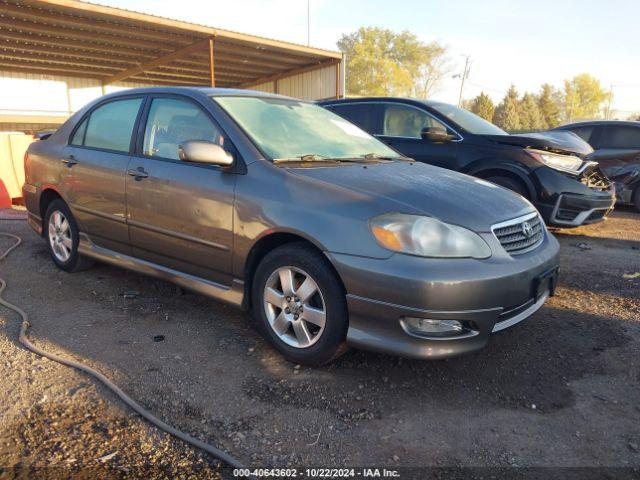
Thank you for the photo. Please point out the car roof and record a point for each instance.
(210, 91)
(422, 101)
(595, 123)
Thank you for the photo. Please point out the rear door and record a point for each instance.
(96, 161)
(180, 213)
(401, 126)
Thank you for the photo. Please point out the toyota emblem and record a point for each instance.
(527, 229)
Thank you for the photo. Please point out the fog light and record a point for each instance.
(430, 327)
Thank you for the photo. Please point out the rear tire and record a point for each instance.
(510, 183)
(636, 198)
(299, 305)
(62, 236)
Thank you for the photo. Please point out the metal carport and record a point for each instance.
(72, 38)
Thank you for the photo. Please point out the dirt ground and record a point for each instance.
(559, 390)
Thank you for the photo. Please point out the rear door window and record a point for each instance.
(362, 114)
(110, 126)
(78, 136)
(172, 121)
(622, 137)
(408, 122)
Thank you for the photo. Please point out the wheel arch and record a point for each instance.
(48, 195)
(505, 170)
(269, 242)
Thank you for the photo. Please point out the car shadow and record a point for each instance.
(528, 366)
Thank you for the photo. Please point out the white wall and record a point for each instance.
(28, 97)
(314, 85)
(36, 100)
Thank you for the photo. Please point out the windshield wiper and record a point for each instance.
(311, 157)
(375, 156)
(314, 157)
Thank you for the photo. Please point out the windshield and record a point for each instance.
(471, 122)
(289, 129)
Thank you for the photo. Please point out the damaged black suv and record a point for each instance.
(549, 169)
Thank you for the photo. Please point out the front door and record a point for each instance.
(180, 213)
(93, 180)
(401, 127)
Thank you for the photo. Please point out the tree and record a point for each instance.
(530, 116)
(583, 97)
(432, 70)
(482, 106)
(550, 105)
(507, 113)
(382, 62)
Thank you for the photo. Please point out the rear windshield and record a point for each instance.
(285, 128)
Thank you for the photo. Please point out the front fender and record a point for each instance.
(492, 167)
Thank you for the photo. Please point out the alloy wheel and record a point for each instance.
(60, 236)
(295, 307)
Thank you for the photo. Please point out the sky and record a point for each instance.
(526, 43)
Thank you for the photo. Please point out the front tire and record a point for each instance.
(299, 305)
(62, 236)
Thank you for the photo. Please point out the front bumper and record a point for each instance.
(485, 295)
(566, 201)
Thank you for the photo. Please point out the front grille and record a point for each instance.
(595, 179)
(521, 234)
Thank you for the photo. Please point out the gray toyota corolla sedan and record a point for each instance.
(277, 205)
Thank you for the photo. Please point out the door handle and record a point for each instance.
(138, 173)
(69, 160)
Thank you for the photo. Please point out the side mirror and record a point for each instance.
(436, 134)
(201, 151)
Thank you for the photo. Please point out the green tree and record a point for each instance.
(550, 104)
(530, 116)
(583, 97)
(383, 62)
(507, 113)
(482, 106)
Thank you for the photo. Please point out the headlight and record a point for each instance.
(427, 237)
(566, 163)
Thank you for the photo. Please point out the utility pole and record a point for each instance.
(607, 112)
(463, 77)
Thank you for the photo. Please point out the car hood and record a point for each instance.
(560, 142)
(418, 188)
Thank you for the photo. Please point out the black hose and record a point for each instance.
(24, 339)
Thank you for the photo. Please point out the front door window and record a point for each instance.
(408, 122)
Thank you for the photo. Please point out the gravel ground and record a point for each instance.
(559, 390)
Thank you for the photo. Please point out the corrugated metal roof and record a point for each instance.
(67, 37)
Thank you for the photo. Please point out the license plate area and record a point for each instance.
(545, 282)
